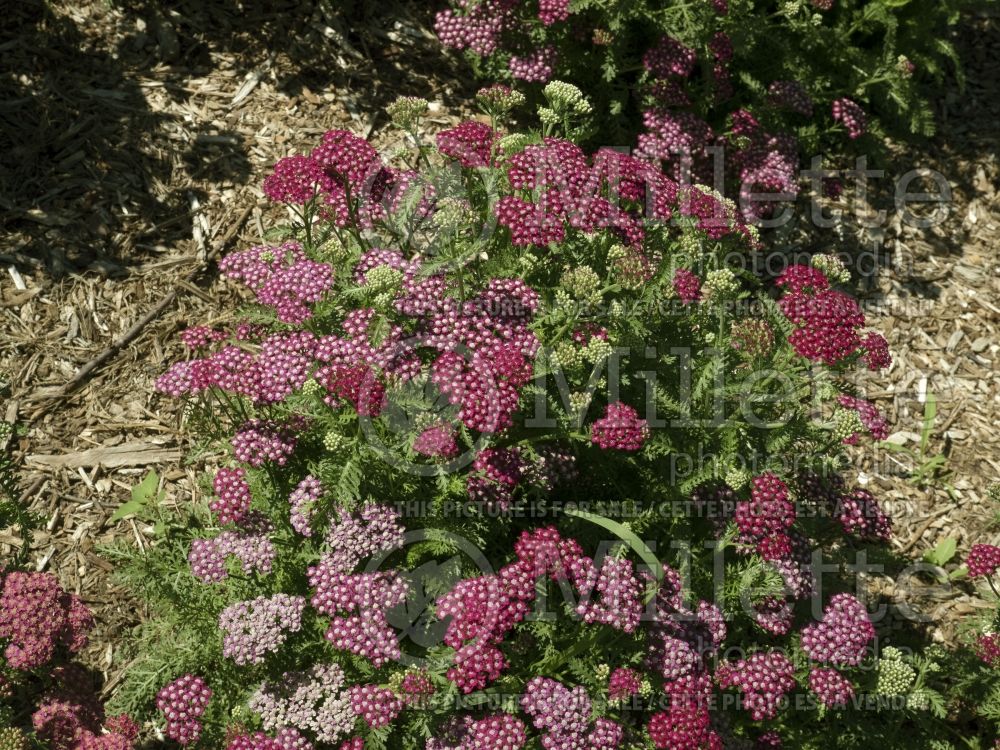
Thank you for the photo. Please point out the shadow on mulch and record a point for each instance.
(93, 177)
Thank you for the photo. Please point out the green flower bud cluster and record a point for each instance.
(597, 350)
(333, 250)
(12, 738)
(645, 688)
(383, 278)
(720, 284)
(548, 116)
(846, 422)
(499, 100)
(690, 242)
(453, 216)
(405, 112)
(514, 143)
(579, 401)
(602, 672)
(383, 301)
(617, 310)
(832, 267)
(395, 681)
(567, 356)
(616, 252)
(333, 441)
(918, 700)
(630, 271)
(528, 262)
(565, 98)
(583, 283)
(738, 478)
(895, 677)
(311, 388)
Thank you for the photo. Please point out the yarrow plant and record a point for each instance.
(759, 82)
(445, 509)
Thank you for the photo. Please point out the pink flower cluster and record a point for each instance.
(875, 352)
(983, 560)
(469, 142)
(763, 679)
(564, 715)
(610, 596)
(791, 95)
(557, 185)
(619, 429)
(312, 701)
(496, 732)
(831, 688)
(768, 513)
(988, 649)
(70, 716)
(233, 495)
(478, 28)
(860, 514)
(357, 602)
(303, 500)
(286, 739)
(437, 441)
(686, 285)
(351, 185)
(843, 635)
(281, 366)
(537, 66)
(251, 545)
(261, 441)
(253, 629)
(183, 702)
(497, 471)
(623, 683)
(377, 706)
(37, 618)
(282, 277)
(295, 180)
(552, 11)
(485, 609)
(679, 640)
(670, 58)
(852, 116)
(198, 337)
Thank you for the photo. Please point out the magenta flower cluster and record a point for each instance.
(283, 278)
(843, 635)
(831, 688)
(619, 429)
(564, 716)
(37, 618)
(762, 678)
(826, 320)
(183, 702)
(983, 560)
